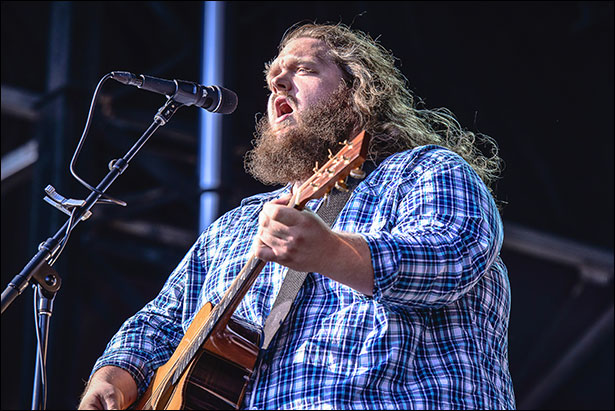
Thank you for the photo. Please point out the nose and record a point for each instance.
(281, 82)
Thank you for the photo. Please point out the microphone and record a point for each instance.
(212, 98)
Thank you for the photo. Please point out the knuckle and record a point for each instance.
(275, 213)
(290, 249)
(291, 246)
(263, 252)
(281, 253)
(111, 399)
(300, 239)
(262, 218)
(261, 240)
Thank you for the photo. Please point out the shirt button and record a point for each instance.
(264, 367)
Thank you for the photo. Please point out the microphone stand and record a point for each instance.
(39, 267)
(44, 309)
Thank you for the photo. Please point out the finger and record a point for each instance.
(263, 251)
(270, 240)
(283, 200)
(266, 223)
(91, 404)
(94, 402)
(282, 214)
(259, 241)
(269, 214)
(263, 220)
(110, 402)
(277, 230)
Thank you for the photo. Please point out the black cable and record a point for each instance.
(105, 198)
(39, 349)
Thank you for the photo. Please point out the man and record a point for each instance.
(407, 302)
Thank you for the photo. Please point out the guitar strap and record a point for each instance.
(328, 211)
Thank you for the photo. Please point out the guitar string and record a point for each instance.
(180, 364)
(213, 318)
(172, 377)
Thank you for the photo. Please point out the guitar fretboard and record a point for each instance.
(238, 288)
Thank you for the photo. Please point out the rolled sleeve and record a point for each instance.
(444, 235)
(130, 361)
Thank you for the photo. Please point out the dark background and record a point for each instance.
(536, 76)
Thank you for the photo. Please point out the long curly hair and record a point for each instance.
(386, 108)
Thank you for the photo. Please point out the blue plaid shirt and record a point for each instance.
(433, 336)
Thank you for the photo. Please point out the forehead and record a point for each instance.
(303, 48)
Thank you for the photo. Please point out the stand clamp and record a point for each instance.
(64, 204)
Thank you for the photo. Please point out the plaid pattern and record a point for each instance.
(434, 335)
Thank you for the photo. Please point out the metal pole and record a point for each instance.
(210, 147)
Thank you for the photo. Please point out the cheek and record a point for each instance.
(316, 92)
(270, 110)
(310, 96)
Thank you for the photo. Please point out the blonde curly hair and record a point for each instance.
(387, 109)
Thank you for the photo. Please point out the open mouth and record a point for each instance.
(282, 108)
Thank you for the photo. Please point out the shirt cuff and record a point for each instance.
(130, 362)
(384, 252)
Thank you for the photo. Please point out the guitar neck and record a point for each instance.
(235, 293)
(349, 158)
(222, 312)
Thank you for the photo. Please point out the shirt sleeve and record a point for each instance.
(148, 339)
(444, 235)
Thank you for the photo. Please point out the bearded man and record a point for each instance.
(406, 303)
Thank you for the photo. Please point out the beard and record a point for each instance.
(289, 155)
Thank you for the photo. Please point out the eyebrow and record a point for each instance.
(320, 57)
(293, 60)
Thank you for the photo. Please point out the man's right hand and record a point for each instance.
(110, 388)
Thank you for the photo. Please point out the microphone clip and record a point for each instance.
(65, 205)
(165, 112)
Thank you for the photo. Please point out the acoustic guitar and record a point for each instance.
(215, 359)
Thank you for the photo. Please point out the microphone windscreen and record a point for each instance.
(228, 101)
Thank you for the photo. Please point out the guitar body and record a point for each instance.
(217, 375)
